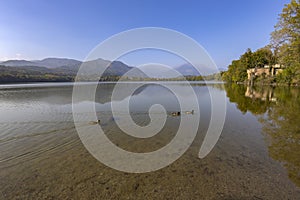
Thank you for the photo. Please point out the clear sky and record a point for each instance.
(36, 29)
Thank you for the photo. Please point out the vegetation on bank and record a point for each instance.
(39, 74)
(31, 74)
(27, 74)
(284, 49)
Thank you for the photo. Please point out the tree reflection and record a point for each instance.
(255, 104)
(279, 112)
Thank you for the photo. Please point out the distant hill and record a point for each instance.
(115, 68)
(31, 74)
(58, 62)
(48, 63)
(71, 66)
(18, 63)
(60, 69)
(63, 69)
(189, 70)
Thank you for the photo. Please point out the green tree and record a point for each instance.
(247, 59)
(285, 41)
(262, 57)
(237, 71)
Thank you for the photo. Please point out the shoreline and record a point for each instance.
(266, 84)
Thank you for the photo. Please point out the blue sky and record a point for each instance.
(36, 29)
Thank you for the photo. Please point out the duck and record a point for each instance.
(189, 112)
(94, 122)
(175, 113)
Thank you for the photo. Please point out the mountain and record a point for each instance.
(60, 69)
(48, 63)
(187, 70)
(115, 68)
(190, 70)
(58, 62)
(18, 63)
(71, 66)
(24, 74)
(64, 67)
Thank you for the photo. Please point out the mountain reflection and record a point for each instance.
(278, 109)
(62, 95)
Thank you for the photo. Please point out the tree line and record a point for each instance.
(40, 74)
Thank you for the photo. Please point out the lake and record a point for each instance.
(256, 157)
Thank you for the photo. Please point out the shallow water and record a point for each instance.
(256, 157)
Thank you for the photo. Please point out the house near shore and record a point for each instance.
(267, 71)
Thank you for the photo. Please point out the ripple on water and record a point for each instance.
(36, 139)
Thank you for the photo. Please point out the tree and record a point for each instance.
(262, 57)
(247, 59)
(237, 71)
(285, 39)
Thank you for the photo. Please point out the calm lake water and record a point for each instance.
(256, 157)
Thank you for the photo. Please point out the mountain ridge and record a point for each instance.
(68, 69)
(60, 69)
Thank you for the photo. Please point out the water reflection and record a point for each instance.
(264, 94)
(278, 109)
(42, 156)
